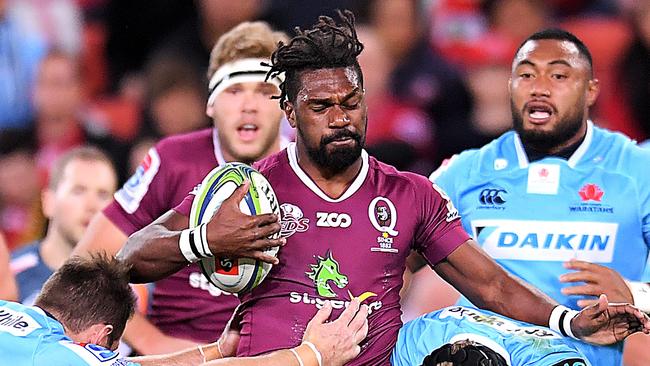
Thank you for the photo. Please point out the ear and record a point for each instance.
(593, 90)
(99, 334)
(209, 109)
(510, 85)
(48, 200)
(290, 113)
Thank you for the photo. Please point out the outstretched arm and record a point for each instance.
(324, 343)
(489, 286)
(155, 253)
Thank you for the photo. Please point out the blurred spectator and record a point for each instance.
(8, 289)
(83, 182)
(399, 134)
(20, 53)
(20, 214)
(634, 70)
(58, 22)
(491, 115)
(179, 28)
(175, 97)
(420, 76)
(60, 123)
(285, 15)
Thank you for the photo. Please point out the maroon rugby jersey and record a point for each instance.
(354, 245)
(184, 305)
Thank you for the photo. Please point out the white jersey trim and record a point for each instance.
(356, 184)
(217, 148)
(573, 160)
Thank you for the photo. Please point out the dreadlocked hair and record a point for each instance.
(326, 45)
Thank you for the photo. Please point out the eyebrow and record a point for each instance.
(554, 62)
(327, 100)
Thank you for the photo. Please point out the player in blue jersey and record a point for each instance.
(80, 315)
(504, 340)
(559, 202)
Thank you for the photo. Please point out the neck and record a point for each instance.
(55, 250)
(331, 182)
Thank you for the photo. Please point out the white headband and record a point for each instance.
(241, 71)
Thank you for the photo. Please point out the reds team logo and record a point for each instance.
(383, 215)
(293, 220)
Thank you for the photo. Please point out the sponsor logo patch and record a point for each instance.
(17, 323)
(492, 198)
(547, 240)
(134, 190)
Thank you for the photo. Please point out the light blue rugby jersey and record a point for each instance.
(531, 217)
(28, 337)
(520, 344)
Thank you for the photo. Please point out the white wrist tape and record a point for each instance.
(641, 294)
(319, 357)
(560, 320)
(297, 356)
(193, 243)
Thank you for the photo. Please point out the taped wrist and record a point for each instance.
(641, 295)
(193, 243)
(560, 320)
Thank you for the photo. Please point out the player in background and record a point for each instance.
(79, 317)
(185, 307)
(8, 288)
(437, 336)
(81, 184)
(559, 202)
(359, 219)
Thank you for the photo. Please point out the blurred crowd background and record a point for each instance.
(121, 74)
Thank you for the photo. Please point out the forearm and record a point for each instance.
(147, 339)
(487, 285)
(152, 265)
(283, 357)
(190, 357)
(154, 250)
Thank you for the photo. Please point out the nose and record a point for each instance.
(338, 117)
(249, 102)
(540, 88)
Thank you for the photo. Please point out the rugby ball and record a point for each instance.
(243, 274)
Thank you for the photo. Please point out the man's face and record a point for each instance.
(331, 116)
(57, 92)
(86, 186)
(247, 120)
(551, 90)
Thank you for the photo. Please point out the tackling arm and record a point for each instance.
(477, 276)
(489, 286)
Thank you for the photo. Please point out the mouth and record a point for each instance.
(539, 112)
(248, 132)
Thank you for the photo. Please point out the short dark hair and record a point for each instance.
(464, 353)
(88, 291)
(560, 35)
(83, 153)
(326, 45)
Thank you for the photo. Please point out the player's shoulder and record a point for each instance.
(619, 152)
(178, 145)
(272, 163)
(78, 354)
(387, 174)
(498, 154)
